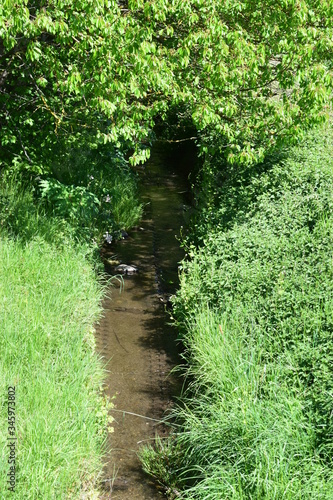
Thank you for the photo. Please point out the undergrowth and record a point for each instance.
(88, 193)
(255, 314)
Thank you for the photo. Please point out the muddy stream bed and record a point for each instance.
(134, 337)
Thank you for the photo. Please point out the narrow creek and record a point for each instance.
(134, 337)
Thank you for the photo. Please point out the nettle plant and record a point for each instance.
(75, 203)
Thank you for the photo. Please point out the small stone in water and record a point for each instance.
(126, 269)
(113, 262)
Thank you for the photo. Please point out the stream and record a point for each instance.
(134, 337)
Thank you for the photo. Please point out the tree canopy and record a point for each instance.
(246, 72)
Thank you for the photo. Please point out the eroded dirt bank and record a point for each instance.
(134, 335)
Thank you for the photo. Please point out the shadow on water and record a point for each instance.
(134, 336)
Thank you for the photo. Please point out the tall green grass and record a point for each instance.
(50, 299)
(49, 302)
(255, 311)
(241, 429)
(21, 217)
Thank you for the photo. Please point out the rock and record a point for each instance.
(126, 269)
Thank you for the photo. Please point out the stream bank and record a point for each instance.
(134, 338)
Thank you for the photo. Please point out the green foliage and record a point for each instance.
(269, 260)
(50, 300)
(255, 311)
(246, 73)
(22, 218)
(91, 193)
(241, 430)
(105, 174)
(74, 202)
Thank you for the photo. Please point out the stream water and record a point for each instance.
(134, 337)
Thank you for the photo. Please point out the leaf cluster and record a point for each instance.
(248, 73)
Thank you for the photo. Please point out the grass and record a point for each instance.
(243, 430)
(50, 300)
(88, 194)
(255, 314)
(21, 218)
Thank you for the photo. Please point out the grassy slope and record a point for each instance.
(50, 299)
(255, 306)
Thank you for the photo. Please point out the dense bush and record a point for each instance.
(273, 265)
(95, 188)
(87, 194)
